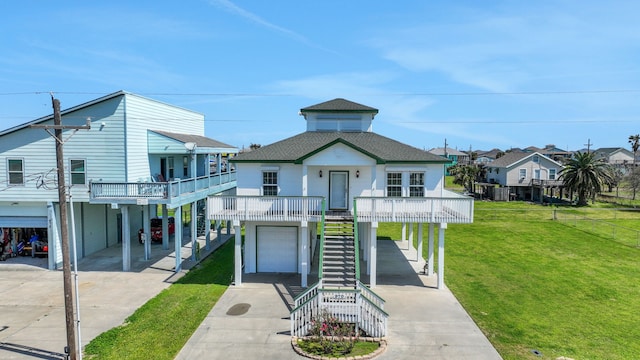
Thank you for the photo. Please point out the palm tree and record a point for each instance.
(463, 175)
(585, 175)
(634, 140)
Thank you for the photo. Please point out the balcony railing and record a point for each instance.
(115, 191)
(450, 208)
(266, 208)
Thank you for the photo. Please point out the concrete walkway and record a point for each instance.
(423, 322)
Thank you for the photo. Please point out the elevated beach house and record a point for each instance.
(139, 159)
(324, 192)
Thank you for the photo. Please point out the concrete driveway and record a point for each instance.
(424, 323)
(32, 316)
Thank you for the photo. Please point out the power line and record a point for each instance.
(241, 94)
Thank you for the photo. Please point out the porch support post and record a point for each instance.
(304, 180)
(404, 231)
(441, 229)
(165, 227)
(146, 229)
(430, 249)
(126, 239)
(229, 227)
(410, 238)
(419, 247)
(304, 253)
(374, 254)
(194, 230)
(207, 233)
(238, 254)
(178, 238)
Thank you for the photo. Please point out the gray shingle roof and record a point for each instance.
(339, 105)
(201, 141)
(509, 158)
(297, 148)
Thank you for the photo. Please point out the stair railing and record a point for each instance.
(321, 255)
(356, 241)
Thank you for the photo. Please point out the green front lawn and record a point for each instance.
(161, 327)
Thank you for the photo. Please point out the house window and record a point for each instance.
(394, 184)
(15, 170)
(522, 174)
(536, 174)
(269, 183)
(552, 174)
(536, 159)
(185, 166)
(171, 171)
(78, 172)
(416, 184)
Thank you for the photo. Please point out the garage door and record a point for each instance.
(24, 221)
(277, 249)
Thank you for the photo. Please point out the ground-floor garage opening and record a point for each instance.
(277, 249)
(24, 237)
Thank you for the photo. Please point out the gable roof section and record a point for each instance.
(299, 147)
(339, 105)
(511, 158)
(612, 150)
(82, 106)
(200, 141)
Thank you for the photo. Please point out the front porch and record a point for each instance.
(305, 212)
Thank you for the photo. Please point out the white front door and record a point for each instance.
(338, 190)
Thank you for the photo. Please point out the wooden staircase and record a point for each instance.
(339, 255)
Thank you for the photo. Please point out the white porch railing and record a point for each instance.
(361, 307)
(451, 208)
(265, 208)
(157, 190)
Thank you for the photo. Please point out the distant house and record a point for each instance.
(485, 157)
(456, 157)
(140, 158)
(551, 151)
(616, 156)
(523, 175)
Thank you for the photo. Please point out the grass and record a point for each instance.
(161, 327)
(360, 348)
(540, 285)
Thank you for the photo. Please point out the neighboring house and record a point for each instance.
(456, 157)
(616, 156)
(485, 157)
(524, 175)
(552, 152)
(137, 155)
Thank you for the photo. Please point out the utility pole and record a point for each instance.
(71, 348)
(588, 144)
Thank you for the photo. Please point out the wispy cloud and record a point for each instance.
(513, 46)
(235, 9)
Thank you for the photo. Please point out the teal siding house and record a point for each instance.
(139, 159)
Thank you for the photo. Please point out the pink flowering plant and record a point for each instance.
(330, 336)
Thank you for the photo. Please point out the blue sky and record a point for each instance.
(479, 74)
